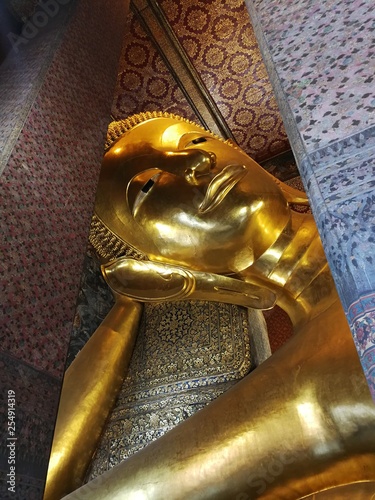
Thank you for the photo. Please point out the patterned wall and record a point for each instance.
(144, 83)
(186, 355)
(220, 41)
(47, 193)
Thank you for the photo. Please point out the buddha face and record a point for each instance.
(201, 202)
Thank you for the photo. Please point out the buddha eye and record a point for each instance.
(191, 139)
(199, 140)
(144, 190)
(146, 187)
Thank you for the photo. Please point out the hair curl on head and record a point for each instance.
(117, 128)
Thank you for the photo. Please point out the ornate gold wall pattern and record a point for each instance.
(187, 354)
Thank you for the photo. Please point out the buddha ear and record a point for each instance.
(292, 195)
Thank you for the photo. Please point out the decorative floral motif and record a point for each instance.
(144, 83)
(365, 331)
(227, 43)
(47, 193)
(187, 354)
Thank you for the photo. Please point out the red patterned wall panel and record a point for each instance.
(144, 83)
(220, 42)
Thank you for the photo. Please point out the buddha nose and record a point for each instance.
(191, 164)
(202, 164)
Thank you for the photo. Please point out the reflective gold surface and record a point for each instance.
(198, 207)
(180, 195)
(357, 491)
(89, 390)
(154, 282)
(302, 422)
(207, 205)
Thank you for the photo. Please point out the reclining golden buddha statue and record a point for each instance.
(183, 215)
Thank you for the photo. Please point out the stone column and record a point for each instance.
(321, 62)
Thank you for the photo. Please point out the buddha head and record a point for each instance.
(172, 192)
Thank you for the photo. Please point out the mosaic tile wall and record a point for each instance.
(321, 61)
(48, 194)
(22, 72)
(66, 76)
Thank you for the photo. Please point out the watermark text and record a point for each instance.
(11, 441)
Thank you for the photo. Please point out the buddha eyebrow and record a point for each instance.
(199, 140)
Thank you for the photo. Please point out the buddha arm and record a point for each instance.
(149, 281)
(94, 378)
(89, 390)
(300, 423)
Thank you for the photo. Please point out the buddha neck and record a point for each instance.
(296, 269)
